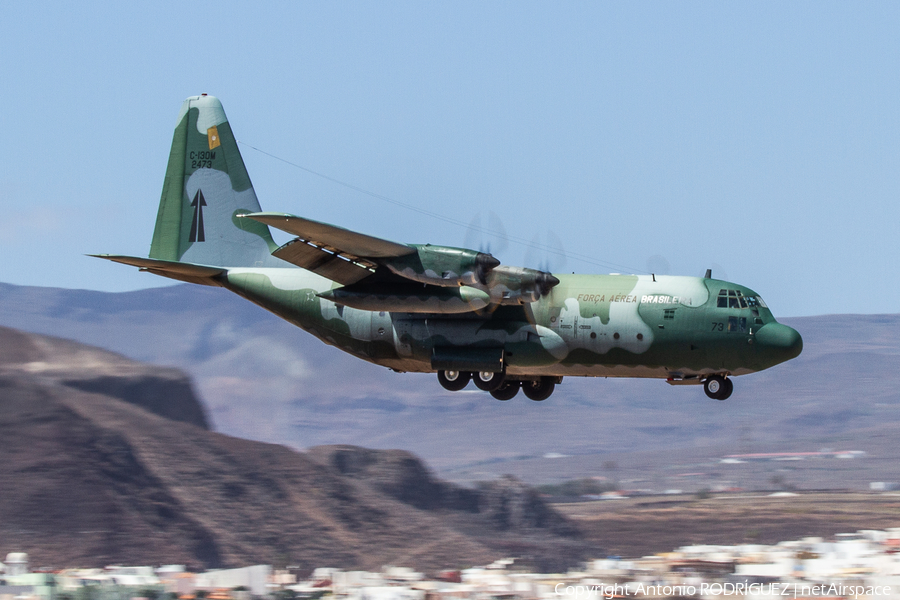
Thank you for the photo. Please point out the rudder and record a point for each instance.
(205, 188)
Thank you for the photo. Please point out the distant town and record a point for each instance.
(865, 564)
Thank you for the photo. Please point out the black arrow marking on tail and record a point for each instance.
(197, 234)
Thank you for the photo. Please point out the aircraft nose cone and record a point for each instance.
(783, 341)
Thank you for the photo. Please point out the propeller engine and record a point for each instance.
(519, 285)
(444, 266)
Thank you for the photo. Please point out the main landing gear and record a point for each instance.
(506, 391)
(540, 389)
(498, 385)
(718, 387)
(488, 381)
(454, 380)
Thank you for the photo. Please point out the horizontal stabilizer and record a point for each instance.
(181, 271)
(331, 237)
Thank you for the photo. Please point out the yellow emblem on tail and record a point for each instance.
(212, 135)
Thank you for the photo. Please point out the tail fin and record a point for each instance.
(206, 187)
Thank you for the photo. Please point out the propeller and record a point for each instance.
(484, 264)
(658, 265)
(487, 234)
(545, 282)
(548, 253)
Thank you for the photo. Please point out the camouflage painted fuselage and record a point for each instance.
(426, 308)
(588, 325)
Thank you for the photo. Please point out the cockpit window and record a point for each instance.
(726, 297)
(736, 299)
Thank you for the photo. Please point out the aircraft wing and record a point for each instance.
(348, 257)
(172, 269)
(358, 244)
(339, 254)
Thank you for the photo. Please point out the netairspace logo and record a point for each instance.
(790, 590)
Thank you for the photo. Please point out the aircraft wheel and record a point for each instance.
(539, 390)
(454, 380)
(729, 387)
(717, 387)
(506, 391)
(487, 381)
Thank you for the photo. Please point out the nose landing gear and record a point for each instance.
(718, 387)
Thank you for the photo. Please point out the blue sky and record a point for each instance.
(759, 139)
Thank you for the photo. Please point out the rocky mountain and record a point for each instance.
(104, 460)
(261, 378)
(161, 390)
(517, 518)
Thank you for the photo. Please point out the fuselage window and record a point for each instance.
(737, 324)
(669, 313)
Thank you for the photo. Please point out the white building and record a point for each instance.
(255, 579)
(16, 563)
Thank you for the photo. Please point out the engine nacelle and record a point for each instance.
(518, 285)
(410, 298)
(444, 266)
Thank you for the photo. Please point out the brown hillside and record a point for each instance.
(90, 480)
(165, 391)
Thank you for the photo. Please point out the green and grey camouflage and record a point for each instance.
(454, 311)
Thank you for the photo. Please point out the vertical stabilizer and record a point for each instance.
(206, 187)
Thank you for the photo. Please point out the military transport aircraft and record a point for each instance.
(457, 312)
